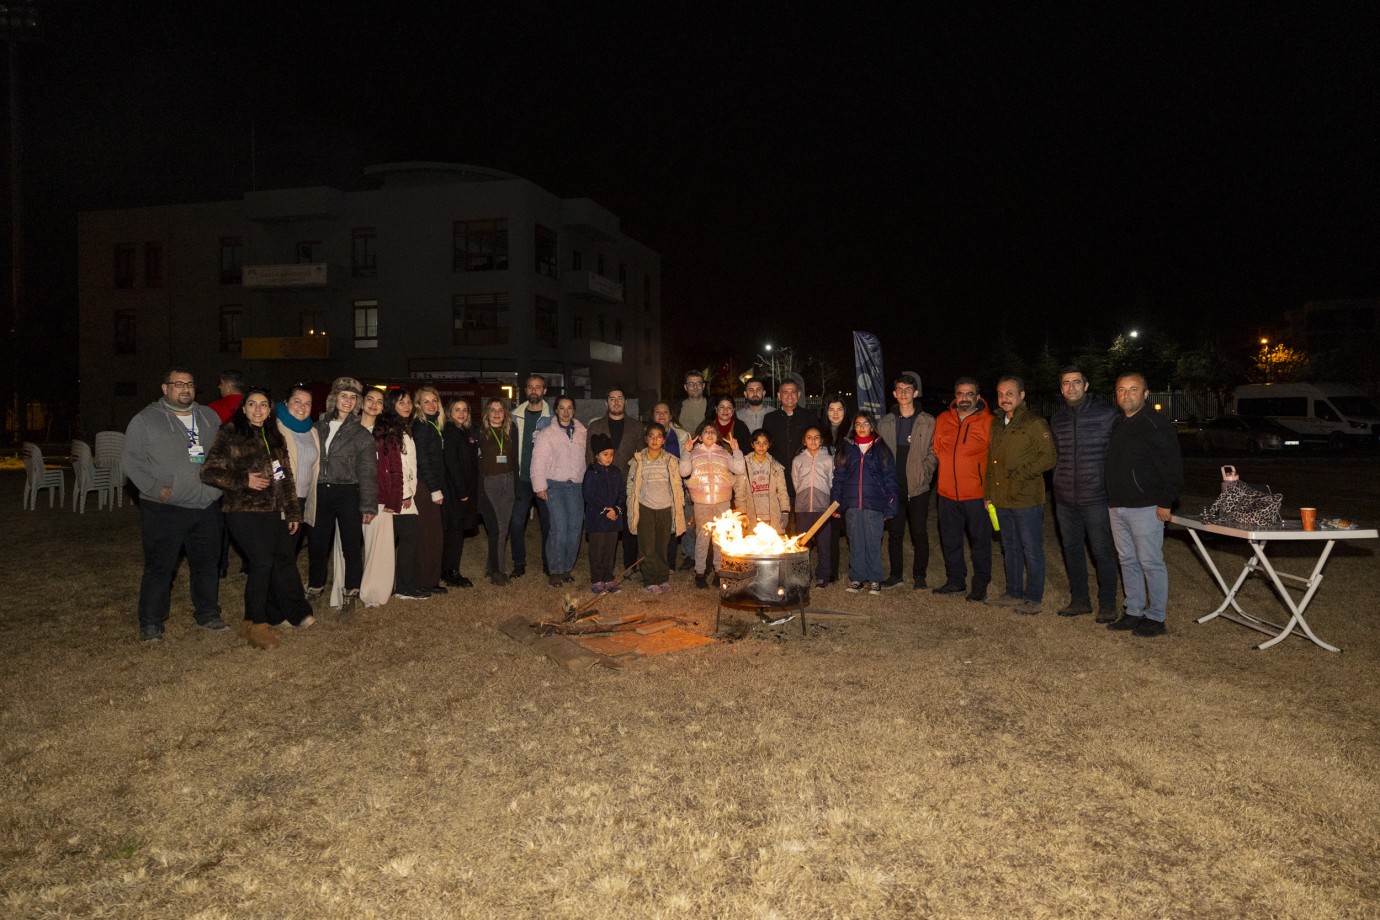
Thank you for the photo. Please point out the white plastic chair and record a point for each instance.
(110, 448)
(88, 478)
(38, 477)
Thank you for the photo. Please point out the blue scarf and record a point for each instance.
(290, 421)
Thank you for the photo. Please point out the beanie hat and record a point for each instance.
(600, 443)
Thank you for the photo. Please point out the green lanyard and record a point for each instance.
(263, 434)
(494, 432)
(436, 428)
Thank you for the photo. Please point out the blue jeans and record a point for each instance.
(1139, 538)
(864, 544)
(565, 501)
(1023, 548)
(1090, 522)
(523, 500)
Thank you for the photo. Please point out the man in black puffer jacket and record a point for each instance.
(1082, 427)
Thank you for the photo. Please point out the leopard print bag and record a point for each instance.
(1245, 507)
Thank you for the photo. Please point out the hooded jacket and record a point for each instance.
(961, 448)
(155, 455)
(920, 459)
(865, 479)
(710, 473)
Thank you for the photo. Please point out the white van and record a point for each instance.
(1334, 413)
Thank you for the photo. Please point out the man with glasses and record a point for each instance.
(961, 437)
(165, 445)
(694, 409)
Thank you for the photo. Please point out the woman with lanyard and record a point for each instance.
(249, 464)
(431, 487)
(461, 512)
(376, 587)
(497, 470)
(304, 452)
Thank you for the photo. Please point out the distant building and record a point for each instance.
(445, 272)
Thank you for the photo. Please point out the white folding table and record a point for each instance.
(1260, 562)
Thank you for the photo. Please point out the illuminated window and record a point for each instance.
(314, 322)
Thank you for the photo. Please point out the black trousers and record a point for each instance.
(336, 506)
(912, 514)
(602, 551)
(166, 531)
(957, 518)
(407, 531)
(273, 593)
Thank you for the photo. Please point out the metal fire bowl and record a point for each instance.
(779, 581)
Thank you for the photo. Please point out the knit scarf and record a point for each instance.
(290, 421)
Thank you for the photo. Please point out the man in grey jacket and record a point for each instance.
(165, 445)
(909, 432)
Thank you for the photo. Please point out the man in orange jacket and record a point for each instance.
(961, 438)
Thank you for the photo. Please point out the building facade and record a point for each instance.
(444, 273)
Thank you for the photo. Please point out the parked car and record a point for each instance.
(1244, 433)
(1333, 413)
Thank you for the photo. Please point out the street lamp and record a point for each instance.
(772, 357)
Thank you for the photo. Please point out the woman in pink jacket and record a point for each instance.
(558, 469)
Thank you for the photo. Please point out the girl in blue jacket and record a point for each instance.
(865, 488)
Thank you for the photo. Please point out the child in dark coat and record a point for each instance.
(606, 499)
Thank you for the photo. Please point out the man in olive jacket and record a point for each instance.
(1021, 451)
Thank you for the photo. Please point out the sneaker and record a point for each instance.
(977, 595)
(920, 585)
(822, 583)
(349, 604)
(150, 632)
(610, 588)
(499, 579)
(854, 587)
(653, 589)
(213, 623)
(1148, 628)
(436, 589)
(461, 582)
(553, 580)
(1125, 624)
(893, 582)
(1106, 614)
(314, 593)
(664, 588)
(1029, 608)
(1076, 609)
(701, 581)
(950, 588)
(1006, 600)
(874, 587)
(597, 588)
(518, 571)
(411, 595)
(686, 564)
(306, 621)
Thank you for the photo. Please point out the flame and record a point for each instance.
(727, 531)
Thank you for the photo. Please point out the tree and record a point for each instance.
(823, 370)
(1279, 364)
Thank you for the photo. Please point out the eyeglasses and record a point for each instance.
(181, 384)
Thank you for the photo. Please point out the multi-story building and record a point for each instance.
(445, 272)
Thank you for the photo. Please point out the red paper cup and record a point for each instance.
(1310, 518)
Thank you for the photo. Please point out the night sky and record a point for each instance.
(947, 178)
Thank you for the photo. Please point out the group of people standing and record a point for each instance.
(386, 485)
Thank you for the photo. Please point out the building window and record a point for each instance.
(231, 259)
(126, 333)
(366, 324)
(548, 329)
(364, 260)
(577, 260)
(546, 252)
(231, 327)
(481, 319)
(577, 326)
(599, 264)
(153, 264)
(646, 346)
(310, 252)
(313, 322)
(481, 245)
(124, 266)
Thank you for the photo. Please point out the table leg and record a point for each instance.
(1221, 582)
(1295, 609)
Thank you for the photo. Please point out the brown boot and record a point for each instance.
(261, 635)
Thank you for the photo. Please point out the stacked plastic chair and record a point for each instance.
(89, 478)
(110, 449)
(38, 477)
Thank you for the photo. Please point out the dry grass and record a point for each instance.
(936, 760)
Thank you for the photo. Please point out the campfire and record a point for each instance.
(727, 531)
